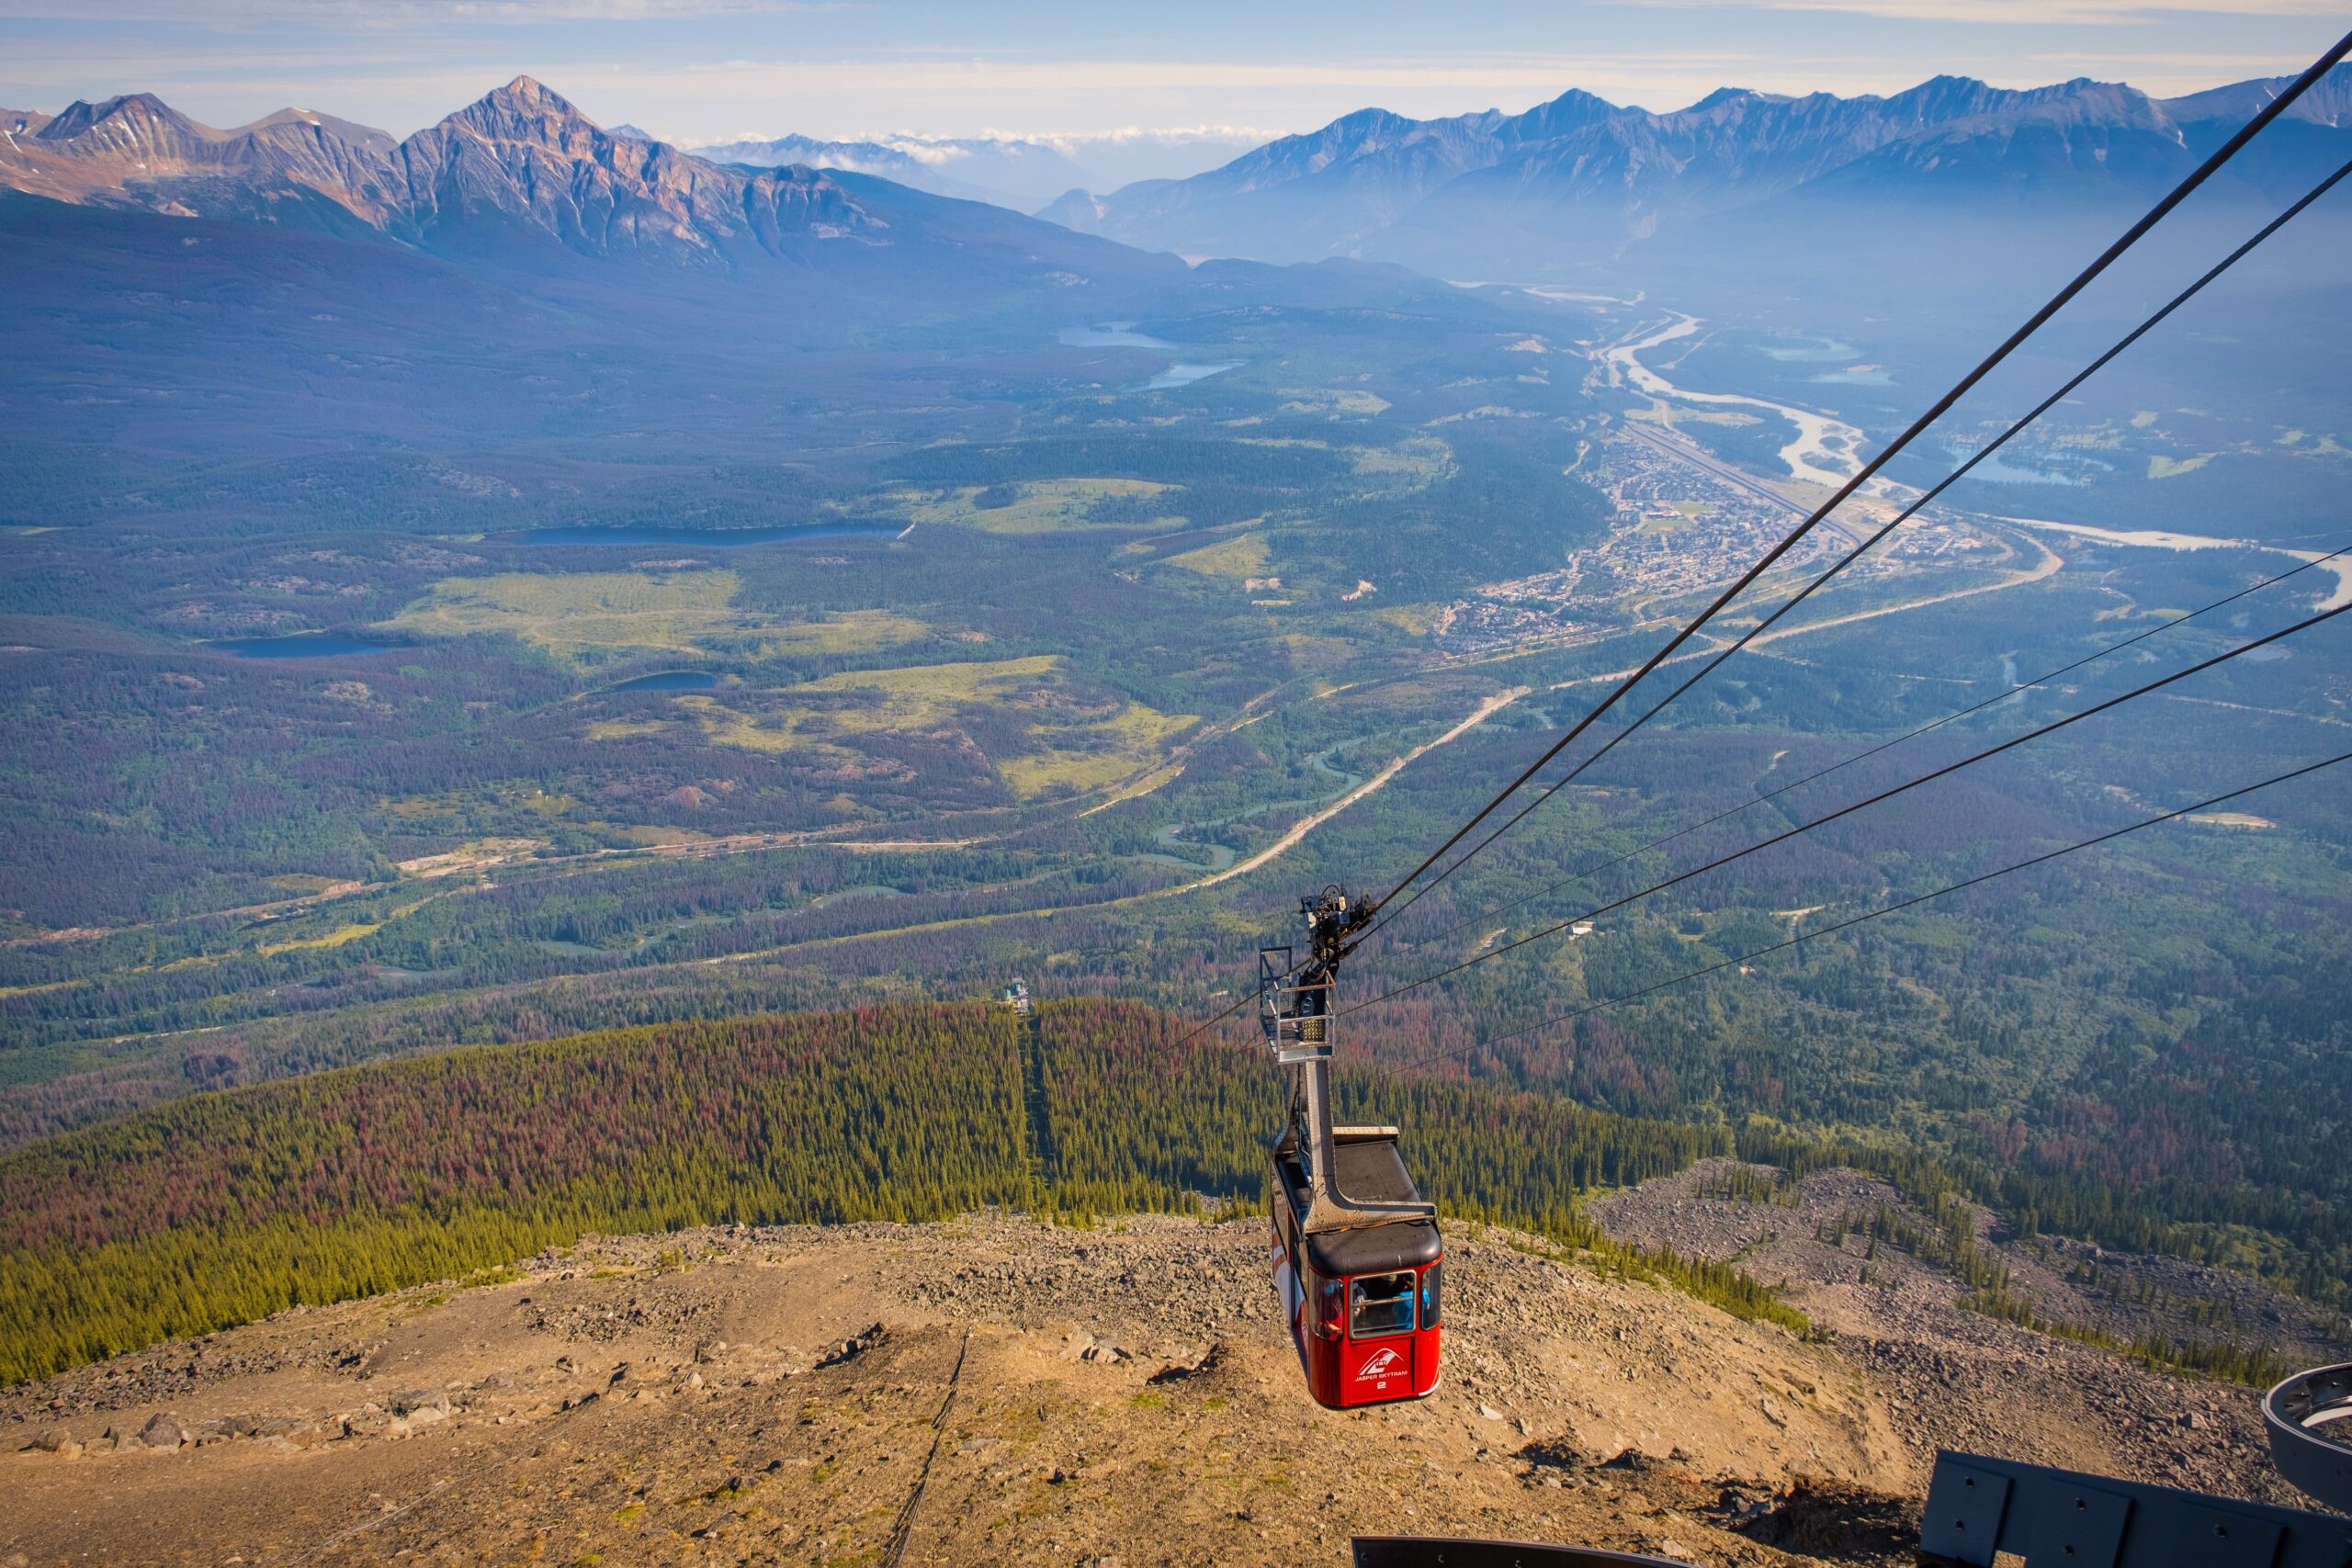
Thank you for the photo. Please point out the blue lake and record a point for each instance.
(1801, 348)
(301, 644)
(670, 681)
(1185, 375)
(702, 538)
(1109, 334)
(1997, 471)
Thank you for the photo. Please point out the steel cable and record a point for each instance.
(2015, 690)
(2132, 236)
(1874, 914)
(1845, 811)
(1861, 548)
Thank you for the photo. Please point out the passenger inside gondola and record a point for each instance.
(1382, 1303)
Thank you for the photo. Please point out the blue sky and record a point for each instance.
(1134, 86)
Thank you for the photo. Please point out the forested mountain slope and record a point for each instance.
(226, 1207)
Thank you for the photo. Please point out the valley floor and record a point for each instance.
(1001, 1390)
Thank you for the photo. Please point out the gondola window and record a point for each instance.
(1381, 1303)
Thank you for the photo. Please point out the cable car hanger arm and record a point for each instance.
(1297, 1005)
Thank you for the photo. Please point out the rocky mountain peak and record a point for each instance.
(136, 115)
(2328, 103)
(529, 93)
(523, 157)
(2114, 103)
(367, 137)
(528, 154)
(1570, 111)
(1721, 96)
(525, 111)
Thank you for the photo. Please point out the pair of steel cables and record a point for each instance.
(1393, 904)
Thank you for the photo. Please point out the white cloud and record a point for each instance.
(936, 150)
(2026, 13)
(1155, 135)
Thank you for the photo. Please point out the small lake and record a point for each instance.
(1997, 471)
(1109, 334)
(670, 681)
(702, 538)
(1185, 375)
(301, 644)
(1801, 348)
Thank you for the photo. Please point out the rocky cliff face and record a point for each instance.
(137, 150)
(527, 154)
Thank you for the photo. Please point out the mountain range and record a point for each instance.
(1570, 186)
(1578, 179)
(521, 168)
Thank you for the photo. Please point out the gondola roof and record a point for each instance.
(1369, 1170)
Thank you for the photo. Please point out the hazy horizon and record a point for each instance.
(1137, 94)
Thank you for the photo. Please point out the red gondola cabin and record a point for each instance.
(1355, 1249)
(1363, 1302)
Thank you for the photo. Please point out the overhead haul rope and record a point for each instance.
(2132, 236)
(1874, 914)
(1200, 1029)
(2015, 690)
(1843, 811)
(1855, 554)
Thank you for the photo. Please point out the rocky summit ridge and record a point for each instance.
(997, 1390)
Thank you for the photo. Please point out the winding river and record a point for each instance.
(1822, 453)
(2159, 539)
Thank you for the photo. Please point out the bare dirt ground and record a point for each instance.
(1957, 1379)
(998, 1390)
